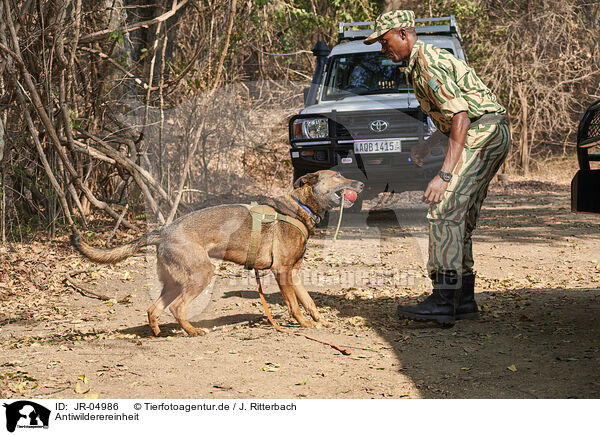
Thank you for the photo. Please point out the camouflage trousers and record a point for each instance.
(453, 219)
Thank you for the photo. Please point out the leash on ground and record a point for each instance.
(280, 329)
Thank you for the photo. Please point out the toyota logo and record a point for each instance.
(379, 125)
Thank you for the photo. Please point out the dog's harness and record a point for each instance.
(265, 214)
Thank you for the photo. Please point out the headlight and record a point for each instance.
(314, 128)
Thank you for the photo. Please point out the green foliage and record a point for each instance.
(75, 122)
(297, 24)
(92, 236)
(116, 35)
(123, 62)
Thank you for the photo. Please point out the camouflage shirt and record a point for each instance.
(445, 85)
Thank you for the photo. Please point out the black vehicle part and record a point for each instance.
(585, 186)
(356, 207)
(297, 174)
(320, 51)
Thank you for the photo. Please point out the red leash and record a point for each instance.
(280, 329)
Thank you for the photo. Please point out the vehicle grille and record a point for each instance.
(400, 124)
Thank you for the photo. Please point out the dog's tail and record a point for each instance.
(116, 254)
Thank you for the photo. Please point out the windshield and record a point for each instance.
(364, 74)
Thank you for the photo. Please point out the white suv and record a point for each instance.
(361, 116)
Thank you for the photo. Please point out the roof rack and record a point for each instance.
(427, 26)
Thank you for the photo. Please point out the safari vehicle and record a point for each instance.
(585, 187)
(361, 116)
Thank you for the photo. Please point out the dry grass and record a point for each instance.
(556, 170)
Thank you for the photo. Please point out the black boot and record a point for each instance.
(467, 307)
(440, 305)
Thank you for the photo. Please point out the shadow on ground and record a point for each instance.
(511, 213)
(527, 344)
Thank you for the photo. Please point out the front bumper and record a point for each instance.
(385, 172)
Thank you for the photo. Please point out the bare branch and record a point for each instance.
(96, 36)
(118, 66)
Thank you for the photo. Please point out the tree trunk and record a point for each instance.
(2, 181)
(524, 145)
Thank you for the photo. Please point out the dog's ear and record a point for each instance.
(306, 179)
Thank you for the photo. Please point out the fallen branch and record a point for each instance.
(231, 325)
(83, 290)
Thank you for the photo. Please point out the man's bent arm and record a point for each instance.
(458, 138)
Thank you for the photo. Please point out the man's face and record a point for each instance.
(395, 45)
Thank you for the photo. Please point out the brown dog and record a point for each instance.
(184, 248)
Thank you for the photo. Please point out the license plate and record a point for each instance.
(377, 146)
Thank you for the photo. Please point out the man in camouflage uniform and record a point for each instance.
(463, 108)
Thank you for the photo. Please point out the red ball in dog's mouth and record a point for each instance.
(350, 195)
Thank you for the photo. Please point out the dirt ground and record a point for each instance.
(538, 288)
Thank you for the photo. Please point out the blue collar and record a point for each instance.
(313, 216)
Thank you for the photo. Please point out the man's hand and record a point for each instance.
(435, 190)
(420, 152)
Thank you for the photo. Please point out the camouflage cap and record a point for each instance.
(389, 21)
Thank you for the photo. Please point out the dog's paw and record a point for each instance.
(306, 323)
(199, 332)
(322, 323)
(155, 330)
(195, 332)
